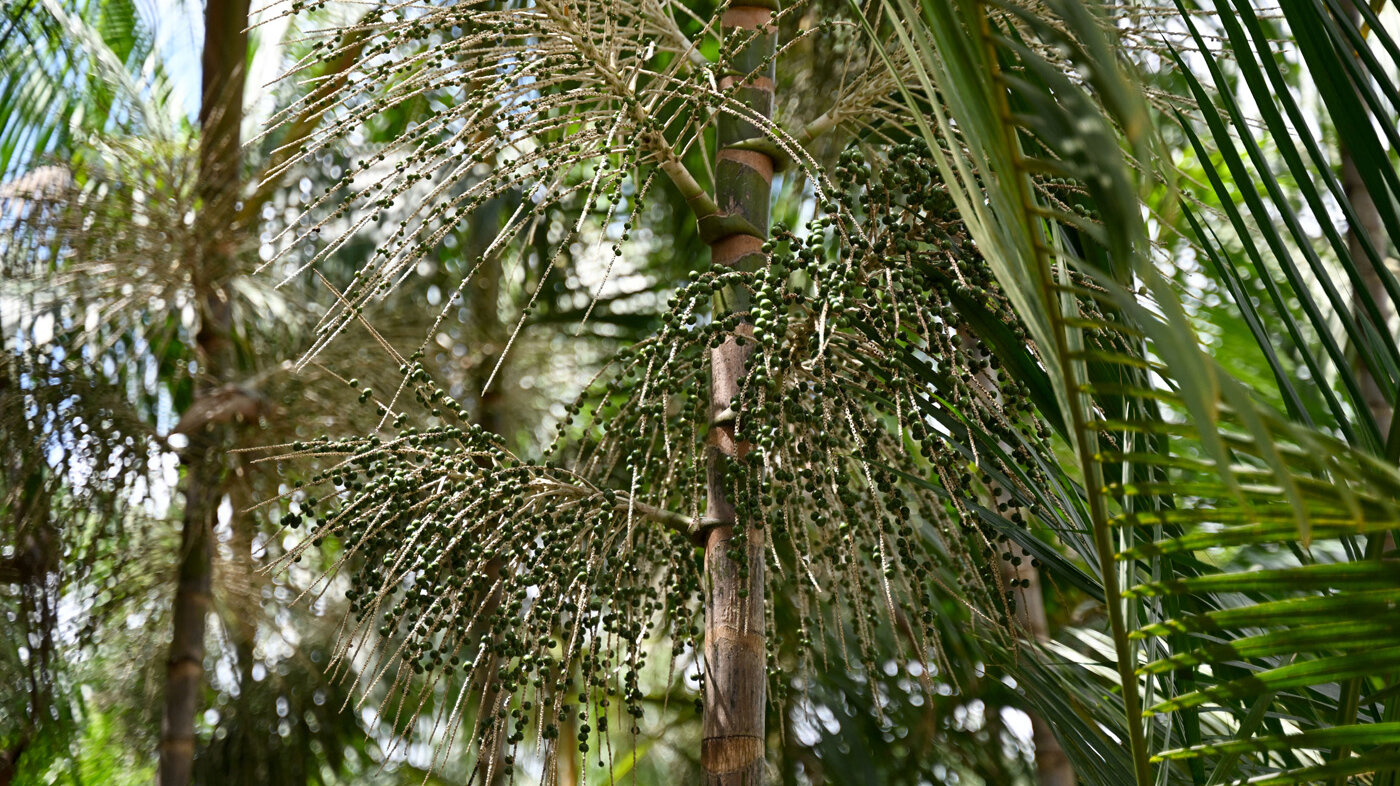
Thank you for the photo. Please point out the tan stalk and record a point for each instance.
(224, 65)
(732, 747)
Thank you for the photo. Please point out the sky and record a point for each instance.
(178, 26)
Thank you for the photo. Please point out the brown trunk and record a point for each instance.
(9, 759)
(184, 676)
(1051, 765)
(732, 748)
(1367, 227)
(244, 599)
(1368, 224)
(483, 312)
(567, 770)
(220, 114)
(488, 330)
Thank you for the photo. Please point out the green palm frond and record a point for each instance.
(1216, 468)
(1345, 336)
(70, 71)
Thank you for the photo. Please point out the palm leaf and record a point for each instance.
(1228, 458)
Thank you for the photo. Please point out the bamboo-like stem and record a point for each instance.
(224, 67)
(732, 746)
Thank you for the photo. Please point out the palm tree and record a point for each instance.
(101, 249)
(470, 520)
(1021, 116)
(876, 407)
(224, 58)
(732, 746)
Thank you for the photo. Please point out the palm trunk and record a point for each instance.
(1369, 226)
(184, 671)
(567, 770)
(732, 747)
(483, 311)
(1051, 765)
(220, 114)
(488, 330)
(244, 602)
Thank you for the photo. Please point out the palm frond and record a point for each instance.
(1237, 471)
(557, 104)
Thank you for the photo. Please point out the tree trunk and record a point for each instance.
(1367, 229)
(489, 332)
(220, 114)
(732, 748)
(483, 312)
(567, 769)
(9, 759)
(185, 667)
(244, 601)
(1051, 765)
(1369, 226)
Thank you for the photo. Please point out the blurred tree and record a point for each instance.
(129, 255)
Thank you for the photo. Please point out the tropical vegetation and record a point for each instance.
(600, 390)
